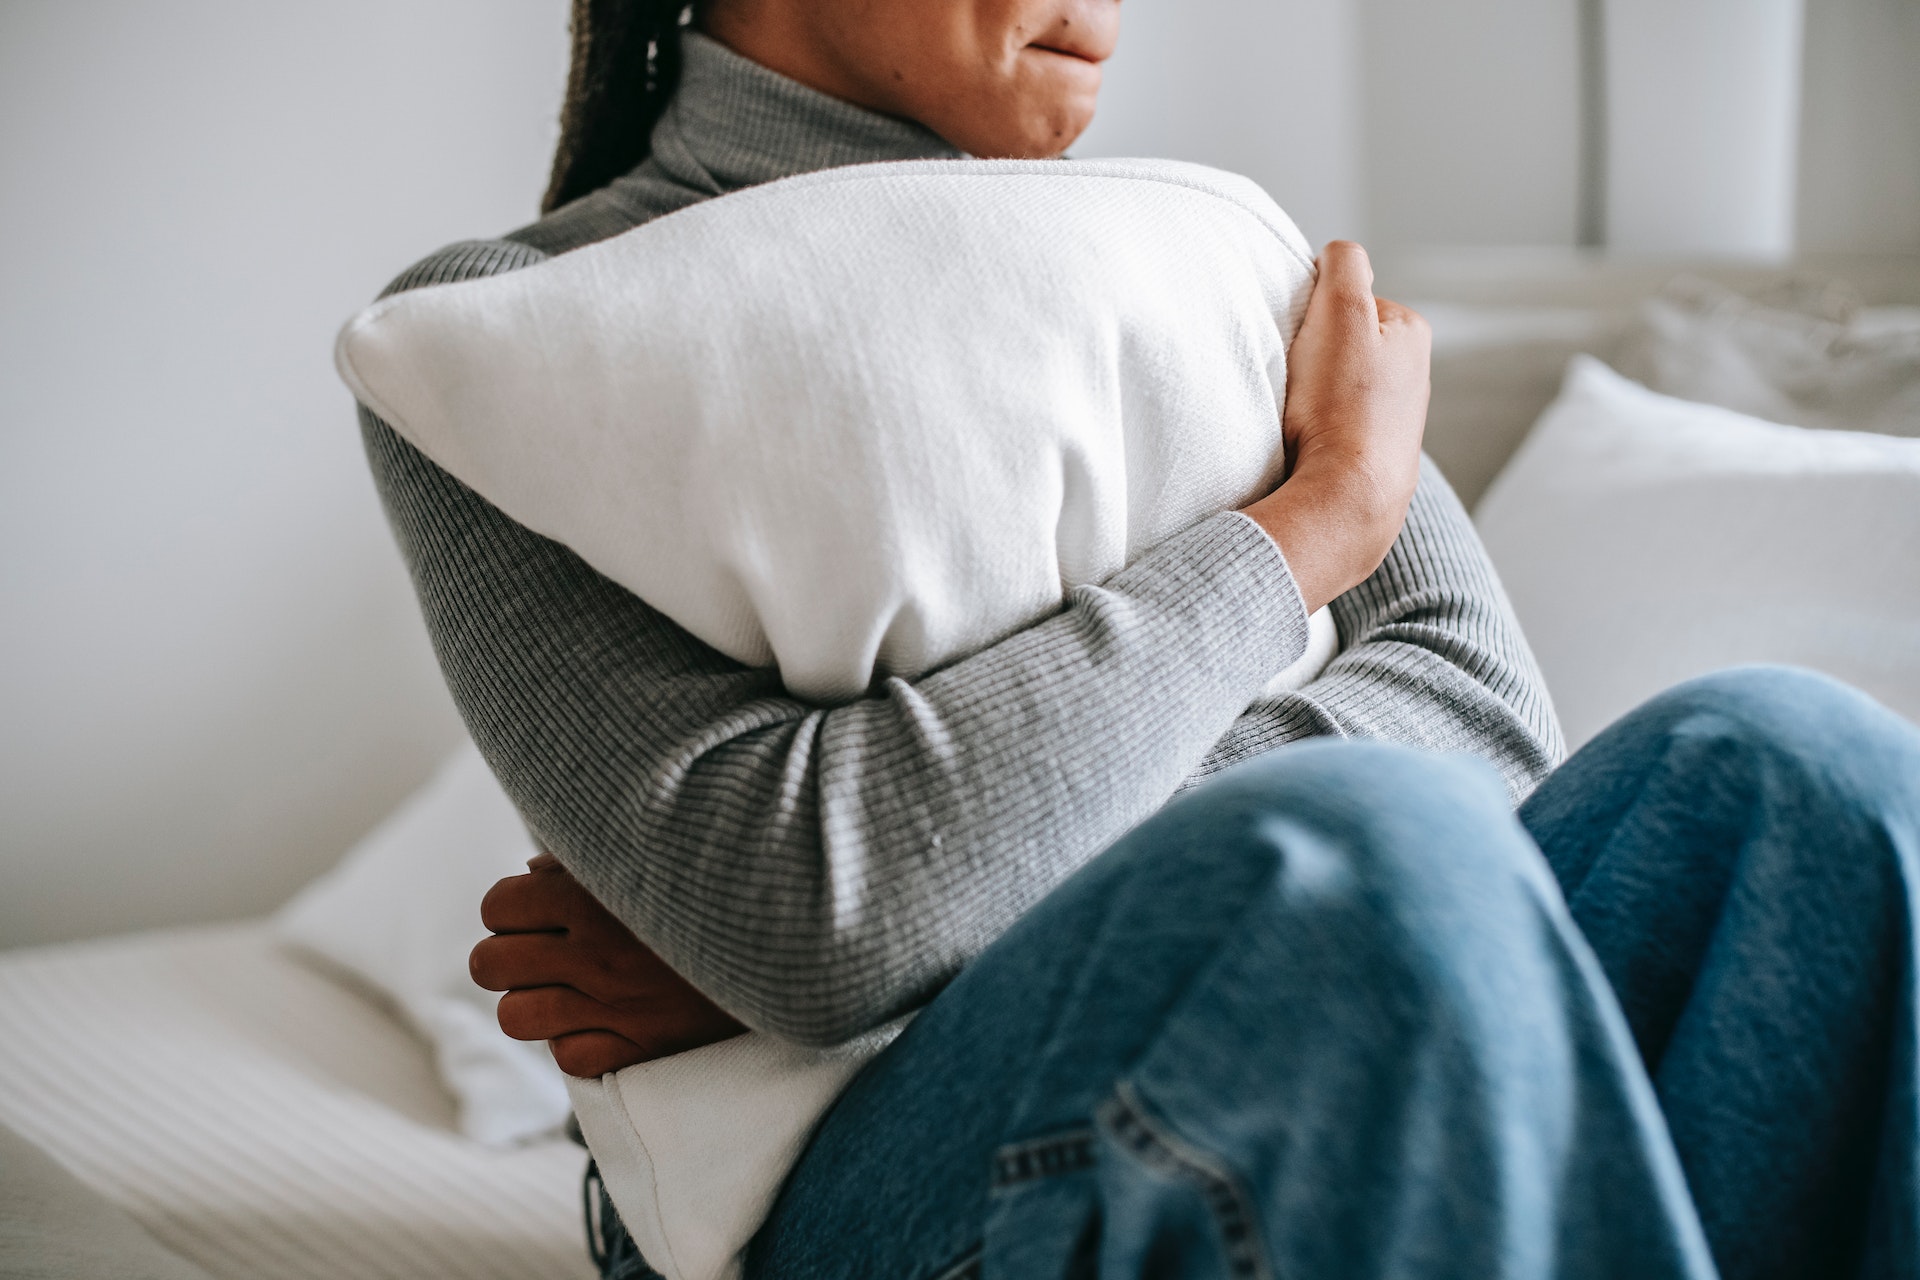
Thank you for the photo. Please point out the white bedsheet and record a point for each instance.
(265, 1120)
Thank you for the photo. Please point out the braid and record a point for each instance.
(626, 63)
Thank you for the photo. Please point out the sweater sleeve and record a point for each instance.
(819, 870)
(1432, 655)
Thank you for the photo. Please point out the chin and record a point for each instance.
(1062, 131)
(1033, 134)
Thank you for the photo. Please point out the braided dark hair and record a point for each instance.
(626, 64)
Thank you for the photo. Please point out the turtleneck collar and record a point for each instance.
(733, 123)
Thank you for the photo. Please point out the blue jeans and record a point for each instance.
(1335, 1015)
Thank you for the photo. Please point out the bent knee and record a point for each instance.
(1396, 837)
(1768, 702)
(1821, 741)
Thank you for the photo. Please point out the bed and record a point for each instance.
(259, 1117)
(236, 1110)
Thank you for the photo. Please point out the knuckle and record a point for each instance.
(560, 897)
(1402, 316)
(1354, 309)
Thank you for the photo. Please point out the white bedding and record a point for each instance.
(1646, 540)
(401, 912)
(264, 1120)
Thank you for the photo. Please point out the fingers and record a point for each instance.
(1394, 315)
(547, 898)
(505, 961)
(1343, 294)
(595, 1053)
(1345, 265)
(515, 904)
(555, 1013)
(544, 1013)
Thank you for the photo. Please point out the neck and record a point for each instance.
(783, 39)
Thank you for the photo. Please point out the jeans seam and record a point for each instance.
(1127, 1118)
(967, 1268)
(1019, 1163)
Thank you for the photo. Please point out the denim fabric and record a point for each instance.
(1331, 1016)
(608, 1244)
(1743, 856)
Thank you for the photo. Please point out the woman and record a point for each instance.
(1326, 1013)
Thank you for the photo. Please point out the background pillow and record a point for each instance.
(868, 420)
(1805, 355)
(1646, 540)
(1495, 370)
(400, 913)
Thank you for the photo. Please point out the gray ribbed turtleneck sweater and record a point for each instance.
(818, 870)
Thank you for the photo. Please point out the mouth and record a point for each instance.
(1078, 55)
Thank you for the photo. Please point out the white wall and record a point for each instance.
(1394, 121)
(1703, 120)
(1268, 88)
(1472, 121)
(1412, 125)
(1860, 127)
(212, 673)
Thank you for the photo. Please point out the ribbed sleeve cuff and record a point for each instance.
(1229, 585)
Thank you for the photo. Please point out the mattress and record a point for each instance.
(265, 1119)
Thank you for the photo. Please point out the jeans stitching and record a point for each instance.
(968, 1268)
(1022, 1162)
(1127, 1119)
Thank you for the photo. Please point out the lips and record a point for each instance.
(1081, 55)
(1083, 30)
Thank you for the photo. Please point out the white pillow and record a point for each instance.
(1816, 364)
(1646, 540)
(1495, 369)
(869, 420)
(402, 910)
(858, 423)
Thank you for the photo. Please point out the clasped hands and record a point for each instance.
(576, 977)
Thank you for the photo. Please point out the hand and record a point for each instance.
(1357, 387)
(577, 978)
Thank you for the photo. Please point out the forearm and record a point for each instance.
(815, 870)
(1433, 656)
